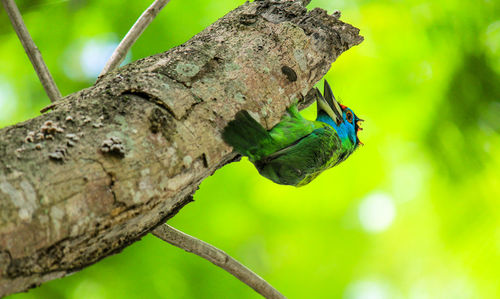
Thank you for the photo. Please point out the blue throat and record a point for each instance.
(341, 129)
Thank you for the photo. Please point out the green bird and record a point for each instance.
(297, 150)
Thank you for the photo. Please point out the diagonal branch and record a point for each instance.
(111, 162)
(140, 25)
(31, 49)
(218, 258)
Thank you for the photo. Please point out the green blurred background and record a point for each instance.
(412, 214)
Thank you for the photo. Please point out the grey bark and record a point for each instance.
(111, 162)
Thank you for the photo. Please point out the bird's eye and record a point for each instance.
(348, 116)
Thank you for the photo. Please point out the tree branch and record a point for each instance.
(113, 161)
(140, 25)
(218, 258)
(31, 50)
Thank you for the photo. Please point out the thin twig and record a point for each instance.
(144, 20)
(218, 258)
(47, 108)
(30, 48)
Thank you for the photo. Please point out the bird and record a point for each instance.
(296, 150)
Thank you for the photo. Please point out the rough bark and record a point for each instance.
(111, 162)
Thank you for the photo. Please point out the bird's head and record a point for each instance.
(340, 117)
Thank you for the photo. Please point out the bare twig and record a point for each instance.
(33, 53)
(218, 258)
(140, 25)
(48, 107)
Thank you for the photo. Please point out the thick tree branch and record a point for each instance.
(111, 162)
(31, 50)
(132, 35)
(218, 258)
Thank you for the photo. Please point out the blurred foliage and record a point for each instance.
(468, 115)
(413, 214)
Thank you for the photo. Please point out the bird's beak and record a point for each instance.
(358, 124)
(329, 104)
(358, 128)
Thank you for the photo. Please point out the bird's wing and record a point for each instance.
(291, 128)
(307, 156)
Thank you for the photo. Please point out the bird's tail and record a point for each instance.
(247, 136)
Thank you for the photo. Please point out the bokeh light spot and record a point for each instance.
(377, 212)
(8, 100)
(94, 55)
(89, 289)
(365, 289)
(85, 58)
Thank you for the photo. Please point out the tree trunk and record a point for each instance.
(113, 161)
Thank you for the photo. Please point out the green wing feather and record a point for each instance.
(292, 127)
(248, 137)
(293, 152)
(300, 162)
(251, 139)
